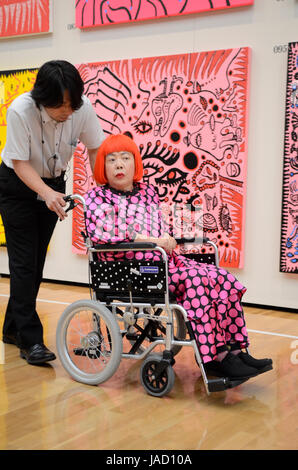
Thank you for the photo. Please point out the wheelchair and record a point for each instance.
(130, 315)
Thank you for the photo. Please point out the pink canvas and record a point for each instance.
(188, 114)
(289, 222)
(22, 17)
(103, 12)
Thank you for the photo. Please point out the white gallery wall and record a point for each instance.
(266, 28)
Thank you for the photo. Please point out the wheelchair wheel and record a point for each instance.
(89, 343)
(153, 386)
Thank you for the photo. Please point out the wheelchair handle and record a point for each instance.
(72, 204)
(200, 241)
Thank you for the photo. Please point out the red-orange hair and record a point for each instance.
(117, 143)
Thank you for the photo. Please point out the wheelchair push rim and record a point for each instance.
(89, 343)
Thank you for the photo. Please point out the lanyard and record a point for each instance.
(51, 162)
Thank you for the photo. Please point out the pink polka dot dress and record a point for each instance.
(211, 296)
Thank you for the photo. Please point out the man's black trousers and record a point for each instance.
(28, 225)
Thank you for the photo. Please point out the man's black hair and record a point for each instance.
(53, 78)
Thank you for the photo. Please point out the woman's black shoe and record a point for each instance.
(37, 354)
(232, 367)
(262, 365)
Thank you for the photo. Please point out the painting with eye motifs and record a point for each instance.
(188, 115)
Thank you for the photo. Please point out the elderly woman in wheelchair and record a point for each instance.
(136, 273)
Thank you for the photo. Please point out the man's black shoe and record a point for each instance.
(37, 354)
(10, 339)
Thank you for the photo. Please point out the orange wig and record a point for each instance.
(117, 143)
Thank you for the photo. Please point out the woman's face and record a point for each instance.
(120, 169)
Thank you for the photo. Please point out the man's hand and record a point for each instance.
(31, 178)
(55, 203)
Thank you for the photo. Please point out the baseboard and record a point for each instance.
(271, 307)
(245, 304)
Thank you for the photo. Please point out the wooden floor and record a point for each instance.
(43, 408)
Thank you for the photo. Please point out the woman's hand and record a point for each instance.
(166, 242)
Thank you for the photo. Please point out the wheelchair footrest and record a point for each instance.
(223, 383)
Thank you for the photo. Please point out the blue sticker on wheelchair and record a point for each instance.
(149, 269)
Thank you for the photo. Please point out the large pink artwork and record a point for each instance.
(22, 17)
(289, 222)
(188, 114)
(103, 12)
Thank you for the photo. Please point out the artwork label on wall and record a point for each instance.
(188, 115)
(104, 12)
(12, 84)
(289, 224)
(24, 17)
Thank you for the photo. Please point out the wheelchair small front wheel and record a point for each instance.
(89, 343)
(156, 386)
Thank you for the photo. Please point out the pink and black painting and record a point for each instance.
(188, 115)
(23, 17)
(109, 12)
(289, 224)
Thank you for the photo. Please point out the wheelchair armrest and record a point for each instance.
(199, 240)
(125, 246)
